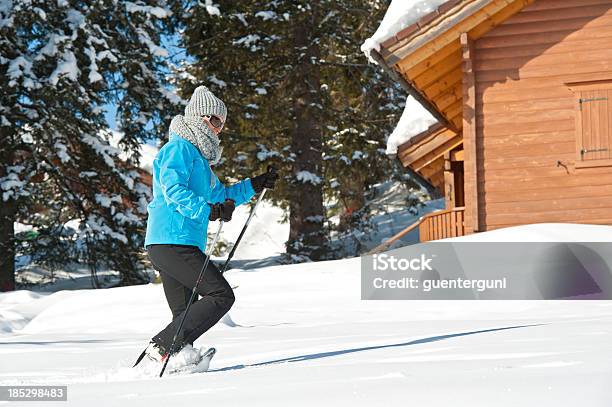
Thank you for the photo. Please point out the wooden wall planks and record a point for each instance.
(525, 115)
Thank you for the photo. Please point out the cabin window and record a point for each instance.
(593, 123)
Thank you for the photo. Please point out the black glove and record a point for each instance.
(265, 180)
(222, 211)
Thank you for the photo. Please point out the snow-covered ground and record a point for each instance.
(300, 335)
(265, 236)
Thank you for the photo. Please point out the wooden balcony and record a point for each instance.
(442, 224)
(432, 226)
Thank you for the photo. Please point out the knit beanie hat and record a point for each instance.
(204, 102)
(192, 128)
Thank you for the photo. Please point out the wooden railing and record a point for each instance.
(432, 226)
(442, 224)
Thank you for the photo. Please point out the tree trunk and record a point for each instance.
(8, 211)
(306, 236)
(7, 245)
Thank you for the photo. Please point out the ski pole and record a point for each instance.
(244, 228)
(231, 254)
(193, 295)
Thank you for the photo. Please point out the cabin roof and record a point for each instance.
(419, 24)
(426, 56)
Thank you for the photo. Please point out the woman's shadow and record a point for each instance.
(300, 358)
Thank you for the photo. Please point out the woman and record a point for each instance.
(186, 195)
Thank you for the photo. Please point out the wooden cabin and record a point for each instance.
(522, 90)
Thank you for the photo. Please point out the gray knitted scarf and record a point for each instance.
(197, 133)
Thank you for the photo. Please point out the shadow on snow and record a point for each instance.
(311, 356)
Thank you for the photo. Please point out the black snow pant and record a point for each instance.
(179, 266)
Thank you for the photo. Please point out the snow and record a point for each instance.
(155, 49)
(72, 276)
(75, 18)
(414, 120)
(300, 335)
(147, 150)
(399, 15)
(266, 15)
(94, 75)
(11, 185)
(217, 81)
(306, 176)
(263, 154)
(62, 151)
(247, 40)
(40, 12)
(212, 9)
(314, 219)
(106, 201)
(20, 67)
(240, 17)
(156, 11)
(100, 229)
(6, 17)
(171, 96)
(391, 213)
(543, 232)
(67, 67)
(21, 227)
(106, 151)
(358, 155)
(147, 155)
(106, 54)
(265, 237)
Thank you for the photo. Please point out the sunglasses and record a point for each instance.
(216, 122)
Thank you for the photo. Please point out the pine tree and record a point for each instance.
(300, 95)
(61, 62)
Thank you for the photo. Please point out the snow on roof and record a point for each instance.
(415, 120)
(399, 15)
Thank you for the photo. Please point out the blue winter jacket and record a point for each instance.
(183, 186)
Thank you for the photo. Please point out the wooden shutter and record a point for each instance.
(595, 119)
(593, 123)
